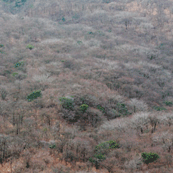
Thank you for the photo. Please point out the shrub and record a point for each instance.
(30, 47)
(79, 42)
(90, 32)
(1, 45)
(84, 107)
(14, 74)
(157, 108)
(67, 103)
(149, 157)
(107, 145)
(34, 95)
(101, 108)
(95, 117)
(3, 93)
(63, 19)
(97, 157)
(52, 146)
(122, 109)
(100, 156)
(18, 64)
(168, 103)
(19, 3)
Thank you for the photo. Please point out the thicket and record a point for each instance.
(149, 157)
(101, 150)
(34, 95)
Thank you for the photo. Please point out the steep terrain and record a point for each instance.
(86, 86)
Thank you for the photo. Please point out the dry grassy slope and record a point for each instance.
(112, 52)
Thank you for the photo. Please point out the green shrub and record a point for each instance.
(101, 108)
(122, 109)
(18, 64)
(157, 108)
(14, 74)
(97, 159)
(168, 103)
(107, 145)
(100, 156)
(90, 32)
(149, 157)
(29, 46)
(92, 160)
(34, 95)
(79, 42)
(84, 107)
(112, 144)
(19, 3)
(63, 19)
(52, 146)
(1, 45)
(67, 103)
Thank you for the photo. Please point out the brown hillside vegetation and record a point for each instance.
(86, 86)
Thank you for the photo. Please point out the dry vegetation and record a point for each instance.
(102, 75)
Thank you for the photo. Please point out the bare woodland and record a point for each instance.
(104, 70)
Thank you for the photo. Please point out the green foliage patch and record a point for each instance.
(79, 42)
(149, 157)
(122, 108)
(84, 107)
(52, 146)
(157, 108)
(14, 74)
(19, 3)
(97, 157)
(63, 19)
(34, 95)
(90, 32)
(1, 45)
(107, 145)
(29, 46)
(168, 103)
(67, 103)
(101, 108)
(18, 64)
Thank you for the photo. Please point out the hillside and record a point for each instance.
(86, 86)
